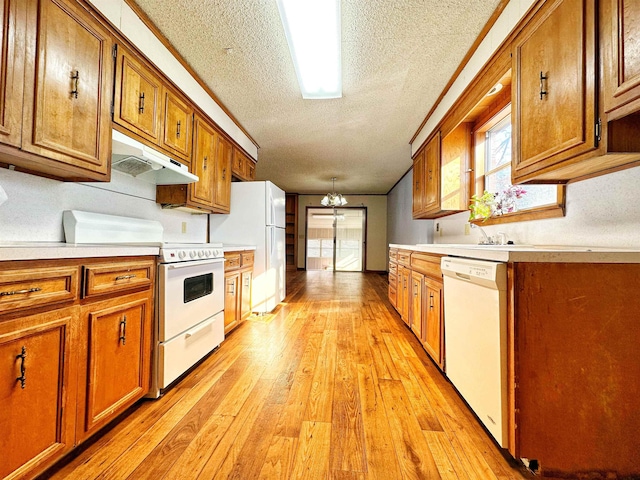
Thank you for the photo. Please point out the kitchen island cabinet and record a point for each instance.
(75, 348)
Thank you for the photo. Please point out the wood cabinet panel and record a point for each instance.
(427, 263)
(28, 287)
(432, 174)
(117, 277)
(404, 307)
(203, 164)
(233, 260)
(231, 300)
(554, 96)
(37, 414)
(224, 154)
(246, 280)
(12, 36)
(250, 170)
(69, 83)
(433, 337)
(177, 125)
(137, 97)
(418, 185)
(416, 294)
(620, 20)
(117, 359)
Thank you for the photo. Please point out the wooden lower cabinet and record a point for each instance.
(433, 338)
(416, 294)
(37, 390)
(115, 370)
(71, 358)
(404, 277)
(238, 282)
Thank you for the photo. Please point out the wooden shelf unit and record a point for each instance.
(291, 231)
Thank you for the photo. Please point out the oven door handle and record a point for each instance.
(197, 330)
(195, 263)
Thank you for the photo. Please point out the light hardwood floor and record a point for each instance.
(331, 386)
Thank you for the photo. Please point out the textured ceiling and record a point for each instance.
(397, 56)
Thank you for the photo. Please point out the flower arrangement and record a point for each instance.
(491, 204)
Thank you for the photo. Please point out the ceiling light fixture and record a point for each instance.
(333, 199)
(312, 28)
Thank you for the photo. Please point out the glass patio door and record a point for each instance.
(335, 239)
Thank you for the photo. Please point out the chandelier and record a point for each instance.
(333, 199)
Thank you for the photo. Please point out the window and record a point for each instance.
(493, 174)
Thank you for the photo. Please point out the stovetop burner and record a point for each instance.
(185, 252)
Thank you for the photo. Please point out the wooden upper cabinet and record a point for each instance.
(203, 164)
(69, 79)
(418, 185)
(239, 165)
(554, 88)
(12, 36)
(432, 174)
(177, 125)
(224, 154)
(620, 23)
(137, 97)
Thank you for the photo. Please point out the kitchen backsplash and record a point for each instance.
(33, 210)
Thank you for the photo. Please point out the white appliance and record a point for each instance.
(190, 309)
(257, 218)
(475, 318)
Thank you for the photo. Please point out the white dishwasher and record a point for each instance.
(475, 318)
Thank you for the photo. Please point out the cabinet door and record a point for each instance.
(239, 164)
(405, 278)
(433, 334)
(118, 339)
(554, 96)
(37, 391)
(250, 169)
(203, 164)
(12, 35)
(418, 185)
(245, 294)
(417, 282)
(137, 97)
(431, 176)
(67, 114)
(621, 52)
(178, 116)
(231, 300)
(224, 153)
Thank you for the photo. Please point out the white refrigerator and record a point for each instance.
(257, 218)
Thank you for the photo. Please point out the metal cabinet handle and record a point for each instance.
(431, 301)
(123, 330)
(141, 103)
(125, 277)
(224, 173)
(75, 76)
(178, 132)
(20, 292)
(23, 368)
(543, 91)
(205, 163)
(246, 282)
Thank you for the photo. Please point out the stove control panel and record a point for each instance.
(187, 253)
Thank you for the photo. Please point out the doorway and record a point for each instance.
(336, 239)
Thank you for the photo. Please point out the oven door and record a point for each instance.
(188, 293)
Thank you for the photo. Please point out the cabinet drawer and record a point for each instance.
(393, 280)
(31, 287)
(247, 259)
(426, 263)
(233, 260)
(117, 277)
(404, 258)
(393, 268)
(393, 254)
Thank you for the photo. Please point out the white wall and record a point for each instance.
(401, 227)
(377, 245)
(601, 212)
(33, 211)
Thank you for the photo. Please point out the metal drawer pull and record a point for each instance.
(75, 76)
(542, 90)
(141, 103)
(125, 277)
(205, 163)
(178, 132)
(431, 301)
(20, 292)
(123, 330)
(23, 369)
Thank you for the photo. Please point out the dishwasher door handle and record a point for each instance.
(463, 276)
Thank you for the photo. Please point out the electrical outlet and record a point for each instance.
(184, 227)
(467, 229)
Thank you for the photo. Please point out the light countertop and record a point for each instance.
(530, 253)
(52, 250)
(227, 247)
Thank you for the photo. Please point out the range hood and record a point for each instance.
(138, 160)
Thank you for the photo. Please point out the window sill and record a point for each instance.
(542, 213)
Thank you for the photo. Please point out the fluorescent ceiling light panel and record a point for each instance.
(312, 28)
